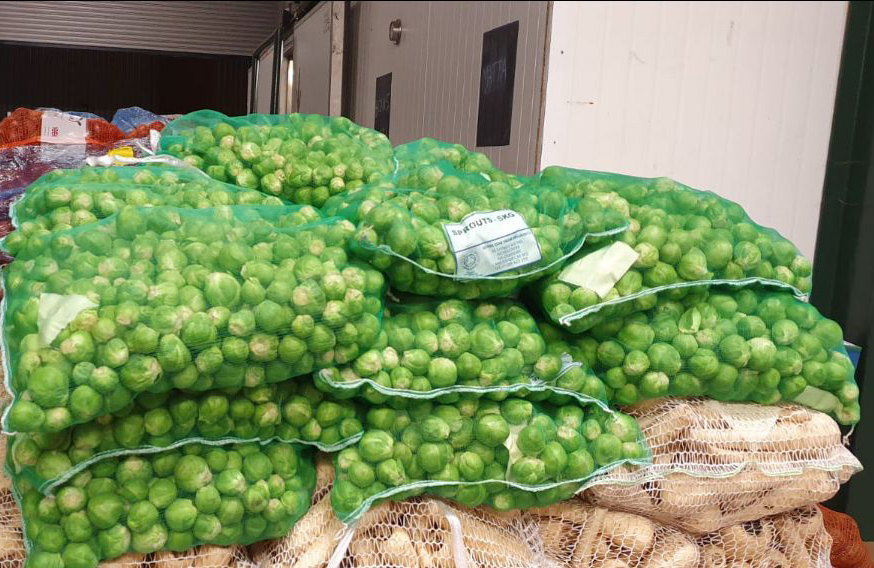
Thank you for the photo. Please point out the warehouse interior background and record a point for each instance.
(765, 103)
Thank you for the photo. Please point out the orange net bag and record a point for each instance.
(142, 131)
(25, 126)
(848, 550)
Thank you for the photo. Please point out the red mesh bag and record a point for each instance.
(848, 550)
(142, 131)
(23, 127)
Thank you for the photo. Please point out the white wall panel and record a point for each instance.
(264, 84)
(235, 28)
(733, 97)
(436, 71)
(312, 61)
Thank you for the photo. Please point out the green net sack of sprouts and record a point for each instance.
(460, 235)
(291, 412)
(157, 298)
(71, 198)
(412, 159)
(727, 344)
(679, 237)
(171, 500)
(432, 349)
(305, 158)
(513, 454)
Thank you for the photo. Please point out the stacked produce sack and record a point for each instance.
(160, 333)
(319, 350)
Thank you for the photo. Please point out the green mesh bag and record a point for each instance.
(305, 158)
(679, 237)
(460, 235)
(508, 455)
(172, 500)
(156, 298)
(727, 344)
(430, 349)
(142, 174)
(410, 158)
(70, 198)
(291, 412)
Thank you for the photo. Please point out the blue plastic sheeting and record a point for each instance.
(129, 118)
(854, 351)
(6, 199)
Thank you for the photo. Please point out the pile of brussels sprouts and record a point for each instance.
(71, 198)
(412, 156)
(177, 345)
(401, 231)
(172, 500)
(508, 455)
(431, 349)
(732, 345)
(682, 237)
(185, 299)
(304, 158)
(292, 412)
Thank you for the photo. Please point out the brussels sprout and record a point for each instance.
(829, 334)
(70, 500)
(491, 430)
(77, 527)
(531, 441)
(376, 446)
(49, 386)
(762, 354)
(442, 372)
(141, 517)
(735, 351)
(191, 473)
(485, 342)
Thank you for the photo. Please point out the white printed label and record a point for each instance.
(60, 128)
(602, 269)
(491, 242)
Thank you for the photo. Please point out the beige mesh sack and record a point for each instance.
(12, 552)
(796, 539)
(420, 533)
(719, 464)
(575, 534)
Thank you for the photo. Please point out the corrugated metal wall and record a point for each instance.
(236, 28)
(734, 97)
(103, 80)
(436, 71)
